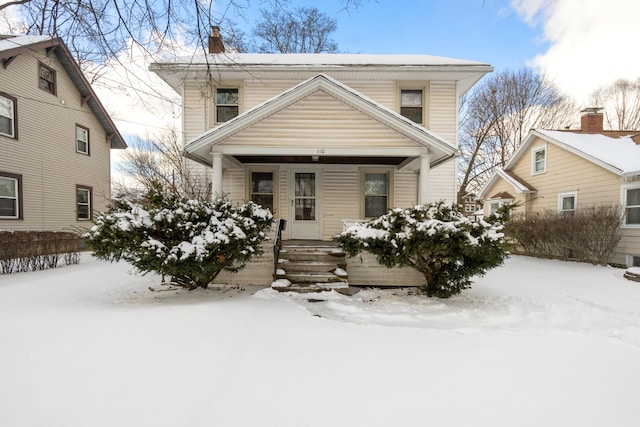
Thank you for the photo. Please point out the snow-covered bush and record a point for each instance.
(435, 239)
(191, 241)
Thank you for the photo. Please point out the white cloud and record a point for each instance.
(591, 42)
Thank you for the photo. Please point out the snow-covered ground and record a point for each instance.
(534, 343)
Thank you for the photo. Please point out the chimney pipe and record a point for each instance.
(592, 120)
(215, 40)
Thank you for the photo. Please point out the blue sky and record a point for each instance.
(580, 44)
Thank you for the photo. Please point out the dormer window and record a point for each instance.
(226, 104)
(46, 78)
(411, 104)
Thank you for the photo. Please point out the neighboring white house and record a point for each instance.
(323, 139)
(568, 170)
(55, 138)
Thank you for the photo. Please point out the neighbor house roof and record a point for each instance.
(619, 154)
(12, 46)
(199, 148)
(518, 184)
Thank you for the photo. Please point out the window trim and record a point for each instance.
(90, 190)
(566, 194)
(500, 202)
(54, 83)
(88, 152)
(14, 101)
(413, 85)
(19, 204)
(276, 176)
(361, 188)
(533, 160)
(623, 200)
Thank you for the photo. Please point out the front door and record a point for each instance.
(306, 213)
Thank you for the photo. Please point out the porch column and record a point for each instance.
(423, 183)
(216, 178)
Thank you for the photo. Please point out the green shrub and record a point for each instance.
(189, 240)
(435, 239)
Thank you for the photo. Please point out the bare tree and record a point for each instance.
(305, 30)
(621, 102)
(498, 114)
(149, 163)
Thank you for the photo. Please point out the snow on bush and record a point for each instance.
(191, 241)
(435, 239)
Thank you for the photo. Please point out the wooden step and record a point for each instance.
(314, 277)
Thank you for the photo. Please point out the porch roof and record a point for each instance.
(424, 141)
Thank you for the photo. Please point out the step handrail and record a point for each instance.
(277, 245)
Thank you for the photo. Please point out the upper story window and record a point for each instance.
(10, 196)
(83, 203)
(411, 104)
(82, 139)
(46, 78)
(7, 116)
(632, 206)
(538, 160)
(567, 203)
(227, 102)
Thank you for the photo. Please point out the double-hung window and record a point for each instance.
(568, 203)
(632, 206)
(82, 139)
(83, 203)
(411, 104)
(47, 78)
(538, 160)
(376, 192)
(8, 116)
(227, 104)
(10, 196)
(262, 188)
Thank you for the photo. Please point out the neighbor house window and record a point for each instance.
(411, 104)
(83, 202)
(376, 192)
(262, 189)
(82, 139)
(10, 196)
(538, 160)
(632, 206)
(46, 78)
(497, 204)
(567, 203)
(227, 101)
(7, 116)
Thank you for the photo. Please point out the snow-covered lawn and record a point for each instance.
(534, 343)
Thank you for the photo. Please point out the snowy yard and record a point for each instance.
(534, 343)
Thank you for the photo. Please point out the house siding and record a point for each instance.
(443, 122)
(45, 151)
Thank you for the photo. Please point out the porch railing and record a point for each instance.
(277, 245)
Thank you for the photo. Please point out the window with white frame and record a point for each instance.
(8, 115)
(567, 203)
(411, 104)
(376, 192)
(632, 206)
(538, 160)
(47, 78)
(227, 104)
(83, 203)
(82, 139)
(10, 196)
(494, 205)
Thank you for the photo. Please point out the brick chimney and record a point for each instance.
(215, 41)
(592, 120)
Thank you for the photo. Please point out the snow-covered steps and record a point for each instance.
(311, 266)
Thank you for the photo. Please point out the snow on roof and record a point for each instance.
(621, 153)
(11, 42)
(326, 59)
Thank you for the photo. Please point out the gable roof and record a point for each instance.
(12, 46)
(199, 148)
(620, 155)
(518, 184)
